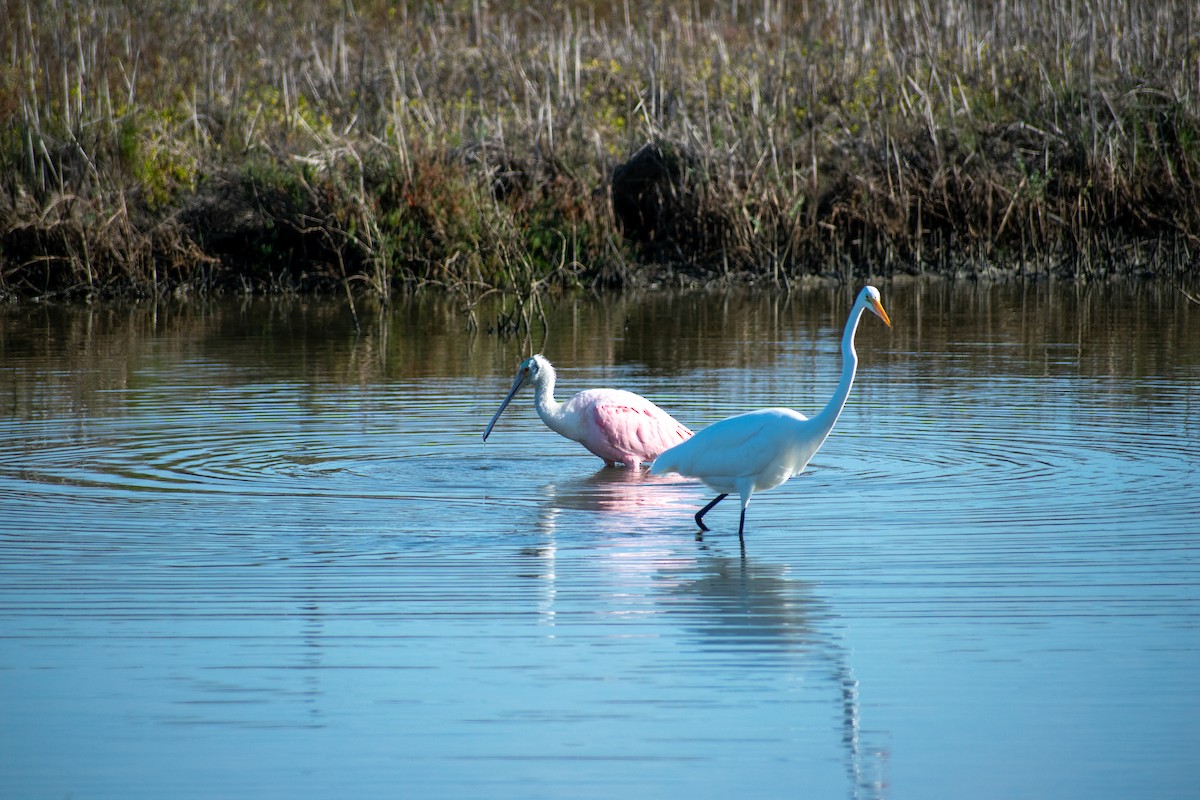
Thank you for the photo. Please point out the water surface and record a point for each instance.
(246, 551)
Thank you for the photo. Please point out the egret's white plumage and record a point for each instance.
(759, 450)
(616, 425)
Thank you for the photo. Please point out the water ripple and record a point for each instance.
(260, 542)
(1046, 461)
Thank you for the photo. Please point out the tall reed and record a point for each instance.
(148, 146)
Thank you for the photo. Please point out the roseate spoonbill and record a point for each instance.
(759, 450)
(616, 425)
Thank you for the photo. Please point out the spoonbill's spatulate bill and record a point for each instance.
(761, 449)
(618, 426)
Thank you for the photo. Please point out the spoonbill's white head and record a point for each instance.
(535, 370)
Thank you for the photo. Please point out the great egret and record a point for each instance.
(761, 449)
(618, 426)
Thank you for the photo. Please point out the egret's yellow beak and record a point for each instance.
(877, 307)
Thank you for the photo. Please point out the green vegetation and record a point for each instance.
(153, 146)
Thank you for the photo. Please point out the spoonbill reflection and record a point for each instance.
(761, 449)
(618, 426)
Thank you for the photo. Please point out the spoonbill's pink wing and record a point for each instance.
(623, 424)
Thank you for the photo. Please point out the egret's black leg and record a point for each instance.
(700, 514)
(742, 524)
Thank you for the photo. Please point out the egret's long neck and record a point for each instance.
(828, 416)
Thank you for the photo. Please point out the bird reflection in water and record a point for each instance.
(612, 500)
(757, 617)
(619, 492)
(743, 614)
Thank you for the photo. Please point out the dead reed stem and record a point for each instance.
(147, 146)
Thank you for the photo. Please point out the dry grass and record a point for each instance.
(151, 146)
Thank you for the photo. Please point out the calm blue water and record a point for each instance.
(246, 553)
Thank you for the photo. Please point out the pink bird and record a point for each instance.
(618, 426)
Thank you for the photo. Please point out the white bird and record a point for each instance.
(761, 449)
(617, 425)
